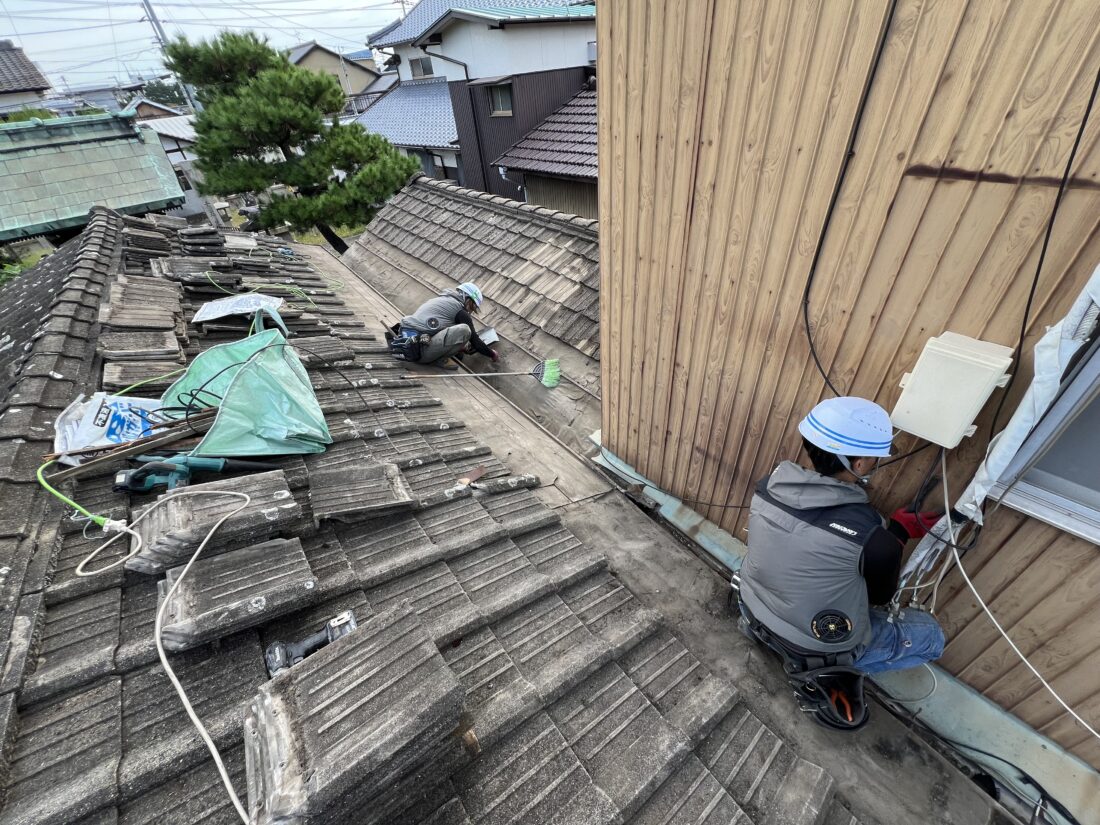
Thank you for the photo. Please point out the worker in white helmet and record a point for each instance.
(442, 328)
(820, 556)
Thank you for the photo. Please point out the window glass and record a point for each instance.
(500, 99)
(1070, 468)
(421, 66)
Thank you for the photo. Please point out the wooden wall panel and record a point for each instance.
(715, 181)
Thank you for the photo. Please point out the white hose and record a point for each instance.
(121, 528)
(992, 618)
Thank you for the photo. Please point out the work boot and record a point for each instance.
(448, 364)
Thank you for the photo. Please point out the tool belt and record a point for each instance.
(826, 685)
(407, 348)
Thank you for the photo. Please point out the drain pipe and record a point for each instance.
(473, 113)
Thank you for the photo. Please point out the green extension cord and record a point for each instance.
(100, 520)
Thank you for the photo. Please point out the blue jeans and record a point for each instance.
(912, 639)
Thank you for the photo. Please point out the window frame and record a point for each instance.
(1079, 390)
(419, 61)
(493, 111)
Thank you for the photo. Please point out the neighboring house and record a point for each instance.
(52, 172)
(147, 109)
(107, 97)
(364, 57)
(22, 85)
(177, 138)
(943, 203)
(352, 75)
(506, 65)
(417, 118)
(557, 158)
(369, 96)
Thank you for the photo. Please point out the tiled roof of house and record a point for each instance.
(564, 144)
(52, 172)
(426, 13)
(539, 265)
(18, 72)
(181, 127)
(499, 672)
(416, 114)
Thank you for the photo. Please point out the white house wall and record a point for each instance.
(515, 49)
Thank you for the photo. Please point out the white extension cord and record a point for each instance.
(992, 618)
(120, 528)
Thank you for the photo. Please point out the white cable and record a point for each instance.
(121, 528)
(996, 624)
(210, 746)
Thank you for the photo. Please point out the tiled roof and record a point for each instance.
(52, 172)
(181, 127)
(425, 14)
(563, 144)
(499, 672)
(18, 72)
(156, 104)
(527, 14)
(541, 265)
(415, 113)
(362, 54)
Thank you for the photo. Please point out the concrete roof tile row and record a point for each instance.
(539, 264)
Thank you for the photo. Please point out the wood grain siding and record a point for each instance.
(715, 185)
(534, 96)
(576, 197)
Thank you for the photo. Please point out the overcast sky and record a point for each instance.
(81, 42)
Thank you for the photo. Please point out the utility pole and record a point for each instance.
(162, 41)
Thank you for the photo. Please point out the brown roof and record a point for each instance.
(564, 144)
(17, 72)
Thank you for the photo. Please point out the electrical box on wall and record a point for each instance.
(953, 378)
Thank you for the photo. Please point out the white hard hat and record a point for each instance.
(849, 426)
(472, 292)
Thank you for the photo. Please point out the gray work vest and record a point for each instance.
(802, 577)
(435, 314)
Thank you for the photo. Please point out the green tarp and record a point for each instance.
(266, 404)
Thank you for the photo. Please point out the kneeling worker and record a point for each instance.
(443, 326)
(820, 555)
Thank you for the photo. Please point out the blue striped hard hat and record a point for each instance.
(849, 426)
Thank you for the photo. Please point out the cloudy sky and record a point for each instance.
(81, 42)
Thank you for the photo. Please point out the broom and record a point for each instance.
(548, 373)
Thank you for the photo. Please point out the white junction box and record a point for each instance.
(953, 378)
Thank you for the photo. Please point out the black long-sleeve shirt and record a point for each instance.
(463, 317)
(882, 562)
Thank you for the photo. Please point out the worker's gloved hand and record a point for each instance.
(494, 355)
(915, 525)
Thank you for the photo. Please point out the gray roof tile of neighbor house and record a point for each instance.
(425, 14)
(563, 145)
(18, 73)
(499, 671)
(53, 171)
(538, 266)
(415, 114)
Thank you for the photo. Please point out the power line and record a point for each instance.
(76, 28)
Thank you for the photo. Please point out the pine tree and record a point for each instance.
(265, 122)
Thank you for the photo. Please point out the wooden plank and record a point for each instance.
(675, 188)
(714, 283)
(611, 115)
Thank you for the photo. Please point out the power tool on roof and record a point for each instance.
(175, 471)
(281, 655)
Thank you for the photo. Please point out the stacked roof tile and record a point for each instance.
(563, 145)
(540, 265)
(499, 672)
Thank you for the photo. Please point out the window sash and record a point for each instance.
(500, 99)
(1033, 499)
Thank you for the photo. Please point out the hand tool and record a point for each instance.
(175, 471)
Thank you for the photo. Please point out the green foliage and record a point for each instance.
(222, 65)
(91, 110)
(27, 114)
(170, 94)
(269, 126)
